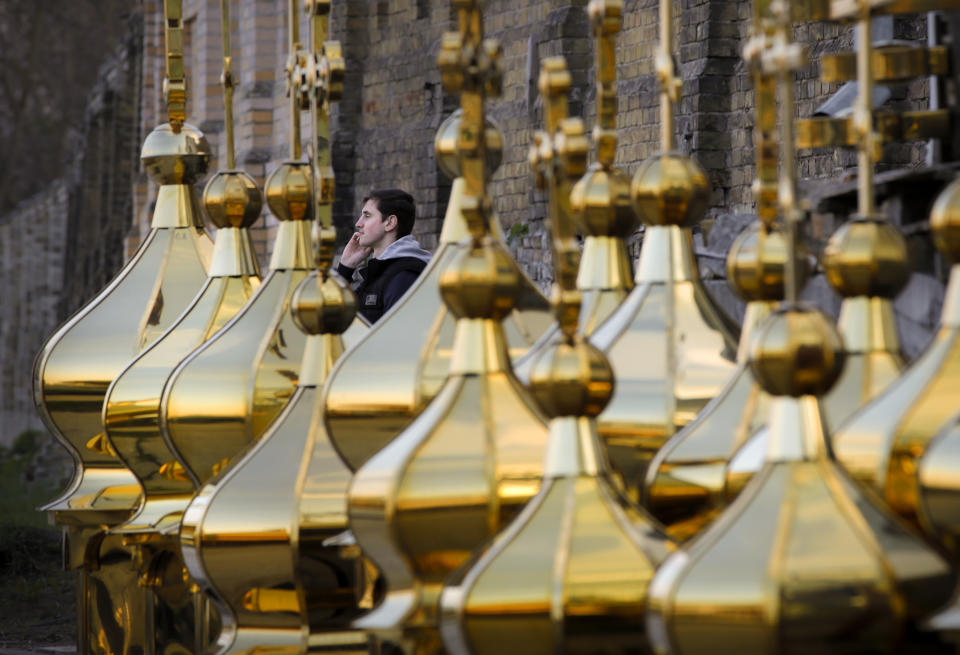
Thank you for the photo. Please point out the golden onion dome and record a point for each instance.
(232, 199)
(289, 191)
(757, 263)
(445, 145)
(600, 202)
(866, 257)
(323, 306)
(176, 157)
(945, 221)
(796, 352)
(670, 189)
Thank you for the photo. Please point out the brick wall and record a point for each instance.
(384, 126)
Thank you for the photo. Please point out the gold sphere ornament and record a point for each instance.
(289, 191)
(867, 257)
(945, 221)
(481, 282)
(600, 202)
(670, 189)
(572, 379)
(757, 263)
(796, 352)
(176, 157)
(323, 305)
(232, 199)
(445, 145)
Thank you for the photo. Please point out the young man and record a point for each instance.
(395, 257)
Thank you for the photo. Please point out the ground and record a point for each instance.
(37, 597)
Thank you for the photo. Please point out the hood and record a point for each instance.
(405, 247)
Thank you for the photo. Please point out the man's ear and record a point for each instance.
(390, 223)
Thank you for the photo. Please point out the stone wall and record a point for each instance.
(60, 247)
(33, 245)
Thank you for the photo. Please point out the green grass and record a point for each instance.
(37, 597)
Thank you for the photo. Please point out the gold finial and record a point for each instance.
(765, 118)
(448, 155)
(175, 83)
(556, 156)
(131, 409)
(325, 73)
(600, 199)
(851, 571)
(365, 411)
(82, 358)
(471, 65)
(262, 605)
(231, 198)
(598, 568)
(685, 484)
(866, 258)
(689, 343)
(756, 264)
(423, 504)
(253, 364)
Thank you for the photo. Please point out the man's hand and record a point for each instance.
(354, 254)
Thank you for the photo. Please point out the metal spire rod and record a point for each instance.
(765, 125)
(175, 84)
(227, 82)
(470, 65)
(785, 57)
(558, 155)
(606, 20)
(667, 75)
(325, 79)
(863, 115)
(293, 85)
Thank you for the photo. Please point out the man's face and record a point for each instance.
(370, 226)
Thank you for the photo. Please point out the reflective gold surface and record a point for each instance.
(382, 384)
(80, 360)
(688, 348)
(687, 341)
(227, 392)
(570, 574)
(131, 410)
(686, 480)
(72, 375)
(466, 465)
(804, 560)
(882, 445)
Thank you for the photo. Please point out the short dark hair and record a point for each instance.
(399, 203)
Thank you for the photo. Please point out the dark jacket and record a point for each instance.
(383, 281)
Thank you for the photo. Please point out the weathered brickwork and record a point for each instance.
(384, 126)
